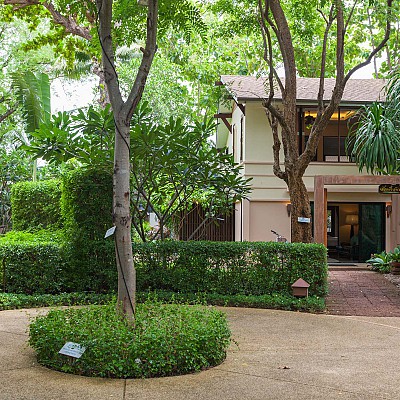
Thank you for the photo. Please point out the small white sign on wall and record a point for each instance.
(304, 219)
(72, 349)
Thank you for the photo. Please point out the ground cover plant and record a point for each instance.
(166, 340)
(314, 304)
(12, 301)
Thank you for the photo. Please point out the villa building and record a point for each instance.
(353, 219)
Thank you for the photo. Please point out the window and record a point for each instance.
(335, 149)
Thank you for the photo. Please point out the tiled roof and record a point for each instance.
(356, 90)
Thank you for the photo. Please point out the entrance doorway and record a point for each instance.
(355, 230)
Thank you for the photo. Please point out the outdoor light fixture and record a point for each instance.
(388, 210)
(289, 209)
(351, 219)
(300, 288)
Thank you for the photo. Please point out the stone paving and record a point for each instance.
(362, 293)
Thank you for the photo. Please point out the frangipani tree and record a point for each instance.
(106, 25)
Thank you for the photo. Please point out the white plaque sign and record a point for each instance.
(304, 219)
(110, 232)
(72, 349)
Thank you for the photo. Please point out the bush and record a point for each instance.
(32, 263)
(167, 340)
(86, 204)
(249, 268)
(36, 205)
(87, 211)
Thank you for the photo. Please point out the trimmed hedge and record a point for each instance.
(32, 263)
(86, 206)
(226, 268)
(36, 205)
(255, 268)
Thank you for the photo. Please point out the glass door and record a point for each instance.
(371, 233)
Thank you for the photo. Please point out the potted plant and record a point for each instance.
(395, 261)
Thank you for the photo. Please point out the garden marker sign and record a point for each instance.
(72, 349)
(389, 189)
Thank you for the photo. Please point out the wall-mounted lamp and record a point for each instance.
(289, 209)
(388, 210)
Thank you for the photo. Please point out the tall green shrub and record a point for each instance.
(36, 205)
(86, 206)
(86, 203)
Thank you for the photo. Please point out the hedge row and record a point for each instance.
(255, 268)
(227, 268)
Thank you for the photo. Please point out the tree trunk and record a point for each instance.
(301, 231)
(122, 221)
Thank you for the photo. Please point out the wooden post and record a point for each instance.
(319, 210)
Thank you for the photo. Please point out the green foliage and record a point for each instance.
(166, 340)
(86, 136)
(249, 268)
(33, 94)
(12, 301)
(14, 167)
(374, 141)
(86, 203)
(276, 301)
(87, 211)
(32, 263)
(79, 259)
(314, 304)
(380, 262)
(36, 205)
(395, 254)
(174, 165)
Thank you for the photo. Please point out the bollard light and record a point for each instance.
(300, 288)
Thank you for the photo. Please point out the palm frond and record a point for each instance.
(33, 95)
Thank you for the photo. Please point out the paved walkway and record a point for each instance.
(279, 356)
(364, 293)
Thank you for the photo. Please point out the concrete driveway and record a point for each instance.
(280, 355)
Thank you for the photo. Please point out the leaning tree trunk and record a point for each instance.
(301, 231)
(122, 221)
